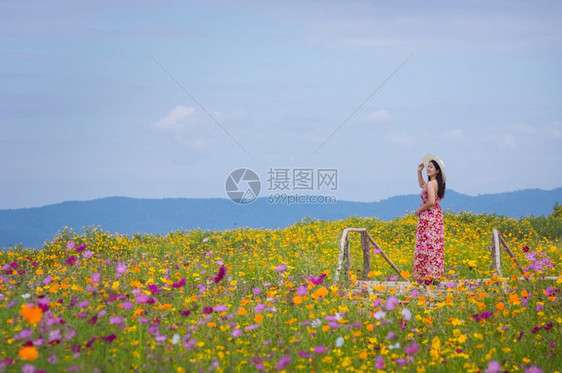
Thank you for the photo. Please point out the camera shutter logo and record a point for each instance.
(243, 186)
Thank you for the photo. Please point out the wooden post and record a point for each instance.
(512, 255)
(496, 254)
(366, 254)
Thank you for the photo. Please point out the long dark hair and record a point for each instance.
(440, 181)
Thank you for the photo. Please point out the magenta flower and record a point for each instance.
(110, 338)
(283, 362)
(208, 310)
(256, 291)
(81, 248)
(179, 284)
(153, 288)
(317, 280)
(71, 260)
(143, 298)
(221, 274)
(186, 313)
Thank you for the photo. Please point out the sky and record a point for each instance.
(159, 99)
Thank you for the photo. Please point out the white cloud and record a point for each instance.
(379, 116)
(171, 122)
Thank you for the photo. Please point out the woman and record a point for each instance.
(429, 252)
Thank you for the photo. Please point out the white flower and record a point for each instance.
(25, 296)
(316, 323)
(339, 342)
(394, 346)
(380, 315)
(175, 339)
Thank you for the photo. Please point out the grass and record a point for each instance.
(254, 299)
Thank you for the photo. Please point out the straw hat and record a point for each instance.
(433, 157)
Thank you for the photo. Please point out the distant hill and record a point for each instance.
(31, 227)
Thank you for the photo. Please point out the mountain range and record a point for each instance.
(31, 227)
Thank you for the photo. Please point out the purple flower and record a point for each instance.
(52, 359)
(220, 308)
(256, 291)
(260, 307)
(283, 362)
(304, 354)
(116, 320)
(252, 327)
(143, 298)
(28, 368)
(70, 245)
(47, 280)
(281, 267)
(533, 369)
(83, 304)
(317, 280)
(96, 277)
(87, 254)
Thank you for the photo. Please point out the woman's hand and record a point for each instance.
(420, 167)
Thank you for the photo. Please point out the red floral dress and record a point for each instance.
(429, 254)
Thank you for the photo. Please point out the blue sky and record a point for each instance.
(87, 110)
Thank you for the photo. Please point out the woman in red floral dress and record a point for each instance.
(430, 235)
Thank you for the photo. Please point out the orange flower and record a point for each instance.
(242, 311)
(500, 306)
(258, 318)
(297, 299)
(31, 314)
(28, 353)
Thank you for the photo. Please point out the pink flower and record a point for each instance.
(220, 308)
(116, 320)
(320, 349)
(256, 291)
(87, 254)
(121, 268)
(301, 291)
(96, 278)
(391, 303)
(143, 298)
(533, 369)
(70, 245)
(379, 362)
(260, 307)
(47, 280)
(281, 268)
(411, 349)
(493, 367)
(127, 305)
(236, 332)
(179, 284)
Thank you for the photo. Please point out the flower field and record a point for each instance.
(265, 300)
